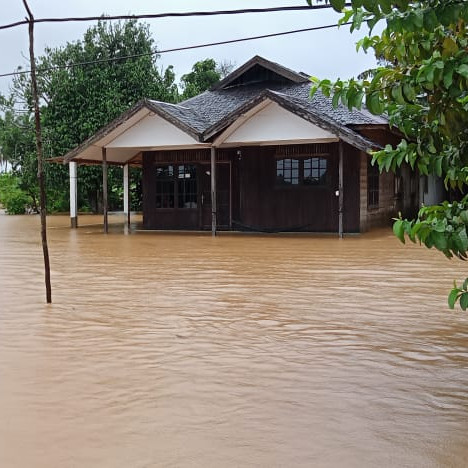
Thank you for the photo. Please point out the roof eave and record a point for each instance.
(104, 131)
(341, 131)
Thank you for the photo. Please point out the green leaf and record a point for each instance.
(439, 240)
(336, 99)
(448, 74)
(449, 46)
(452, 298)
(463, 70)
(374, 104)
(449, 14)
(371, 6)
(399, 230)
(338, 5)
(386, 6)
(409, 92)
(465, 284)
(397, 94)
(464, 300)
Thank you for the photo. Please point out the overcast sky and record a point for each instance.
(326, 54)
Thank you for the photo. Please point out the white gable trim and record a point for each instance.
(269, 123)
(152, 131)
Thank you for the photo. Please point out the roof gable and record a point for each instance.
(269, 122)
(152, 131)
(260, 70)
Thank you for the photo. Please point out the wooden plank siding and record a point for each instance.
(264, 205)
(258, 202)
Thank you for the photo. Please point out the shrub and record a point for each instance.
(13, 199)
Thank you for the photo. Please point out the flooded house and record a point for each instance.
(255, 152)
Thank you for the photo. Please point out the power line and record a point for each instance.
(177, 49)
(167, 15)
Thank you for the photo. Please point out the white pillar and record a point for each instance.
(126, 193)
(72, 168)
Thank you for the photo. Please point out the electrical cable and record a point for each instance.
(165, 51)
(168, 15)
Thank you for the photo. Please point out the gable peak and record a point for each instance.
(258, 70)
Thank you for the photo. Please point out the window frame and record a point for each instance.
(373, 186)
(322, 163)
(174, 179)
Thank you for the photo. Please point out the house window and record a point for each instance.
(309, 171)
(315, 170)
(287, 171)
(187, 186)
(176, 186)
(165, 187)
(373, 176)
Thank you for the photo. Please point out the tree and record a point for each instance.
(204, 74)
(225, 67)
(18, 148)
(423, 90)
(81, 91)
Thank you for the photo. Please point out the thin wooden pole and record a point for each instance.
(104, 190)
(213, 192)
(340, 190)
(230, 194)
(40, 167)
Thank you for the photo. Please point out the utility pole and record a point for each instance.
(40, 167)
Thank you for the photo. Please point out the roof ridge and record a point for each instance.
(168, 104)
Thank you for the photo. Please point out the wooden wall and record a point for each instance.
(258, 202)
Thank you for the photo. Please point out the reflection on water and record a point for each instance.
(183, 350)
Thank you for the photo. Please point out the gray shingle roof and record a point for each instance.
(209, 113)
(211, 107)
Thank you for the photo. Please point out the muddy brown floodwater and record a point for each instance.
(183, 350)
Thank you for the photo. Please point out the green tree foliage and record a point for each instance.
(18, 147)
(79, 99)
(12, 197)
(204, 74)
(423, 90)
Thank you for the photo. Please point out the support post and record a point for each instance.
(213, 192)
(340, 190)
(230, 194)
(104, 190)
(126, 193)
(72, 169)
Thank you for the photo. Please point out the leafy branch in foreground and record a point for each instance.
(444, 227)
(422, 89)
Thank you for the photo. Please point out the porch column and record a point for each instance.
(126, 193)
(340, 190)
(72, 169)
(104, 190)
(213, 192)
